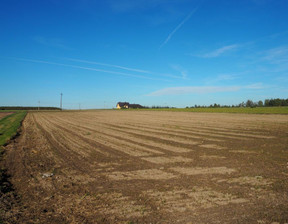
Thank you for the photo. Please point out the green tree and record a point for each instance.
(260, 103)
(249, 103)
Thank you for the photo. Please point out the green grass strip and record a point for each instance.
(241, 110)
(9, 126)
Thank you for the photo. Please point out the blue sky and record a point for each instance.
(152, 52)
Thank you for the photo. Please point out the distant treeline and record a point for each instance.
(249, 103)
(29, 108)
(276, 102)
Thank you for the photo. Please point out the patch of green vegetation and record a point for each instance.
(8, 129)
(9, 126)
(242, 110)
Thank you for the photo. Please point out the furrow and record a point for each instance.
(184, 133)
(129, 138)
(116, 145)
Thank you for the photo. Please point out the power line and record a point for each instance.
(61, 101)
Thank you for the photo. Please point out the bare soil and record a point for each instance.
(148, 167)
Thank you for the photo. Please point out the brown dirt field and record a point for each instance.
(4, 114)
(148, 167)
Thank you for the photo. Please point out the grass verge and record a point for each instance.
(9, 126)
(242, 110)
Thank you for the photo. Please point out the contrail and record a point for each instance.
(178, 27)
(124, 68)
(110, 65)
(88, 68)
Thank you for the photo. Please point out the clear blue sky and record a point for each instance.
(152, 52)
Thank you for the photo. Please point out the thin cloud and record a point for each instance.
(204, 89)
(220, 51)
(255, 86)
(221, 78)
(180, 69)
(88, 68)
(277, 55)
(52, 42)
(274, 60)
(124, 6)
(178, 27)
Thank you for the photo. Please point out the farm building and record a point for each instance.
(126, 105)
(135, 106)
(121, 105)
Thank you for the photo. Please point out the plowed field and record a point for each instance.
(149, 167)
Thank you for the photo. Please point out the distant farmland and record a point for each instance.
(144, 166)
(242, 110)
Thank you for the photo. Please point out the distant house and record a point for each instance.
(121, 105)
(126, 105)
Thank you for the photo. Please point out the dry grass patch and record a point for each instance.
(203, 170)
(212, 146)
(243, 151)
(149, 174)
(254, 181)
(195, 198)
(163, 159)
(212, 157)
(107, 165)
(108, 205)
(117, 204)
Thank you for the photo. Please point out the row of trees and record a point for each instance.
(249, 103)
(276, 102)
(267, 103)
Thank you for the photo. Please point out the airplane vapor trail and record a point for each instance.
(88, 68)
(124, 68)
(110, 65)
(178, 27)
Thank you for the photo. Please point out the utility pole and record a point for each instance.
(61, 101)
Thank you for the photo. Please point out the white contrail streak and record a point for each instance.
(178, 27)
(88, 68)
(110, 65)
(124, 68)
